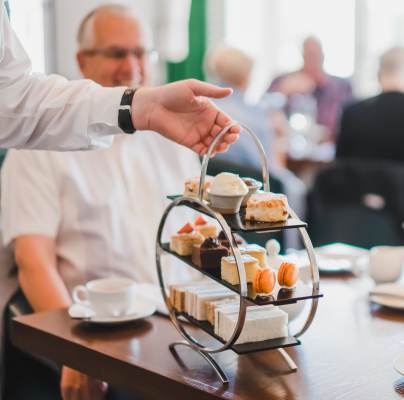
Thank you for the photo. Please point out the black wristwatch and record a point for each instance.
(125, 111)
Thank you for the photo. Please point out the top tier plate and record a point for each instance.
(238, 223)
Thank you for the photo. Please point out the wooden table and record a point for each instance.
(347, 354)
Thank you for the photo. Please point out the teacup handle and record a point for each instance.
(80, 295)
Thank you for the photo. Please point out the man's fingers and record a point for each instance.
(206, 89)
(231, 138)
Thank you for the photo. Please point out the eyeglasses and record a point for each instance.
(119, 53)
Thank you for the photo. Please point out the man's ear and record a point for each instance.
(81, 60)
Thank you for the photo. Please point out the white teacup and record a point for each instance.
(385, 263)
(109, 297)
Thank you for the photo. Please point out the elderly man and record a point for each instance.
(77, 216)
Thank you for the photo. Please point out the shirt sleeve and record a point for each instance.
(30, 198)
(49, 112)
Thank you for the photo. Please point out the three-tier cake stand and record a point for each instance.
(230, 224)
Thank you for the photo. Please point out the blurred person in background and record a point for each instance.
(233, 67)
(313, 90)
(374, 128)
(76, 216)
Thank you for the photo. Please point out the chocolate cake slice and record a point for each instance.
(208, 255)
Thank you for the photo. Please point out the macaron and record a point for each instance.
(288, 274)
(264, 280)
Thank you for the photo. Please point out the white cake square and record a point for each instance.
(260, 324)
(229, 271)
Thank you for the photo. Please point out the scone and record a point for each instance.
(186, 237)
(229, 270)
(192, 187)
(267, 207)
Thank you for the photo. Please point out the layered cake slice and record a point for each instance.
(262, 323)
(186, 237)
(211, 306)
(267, 207)
(208, 254)
(199, 311)
(205, 228)
(229, 270)
(257, 252)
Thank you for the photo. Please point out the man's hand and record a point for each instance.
(181, 112)
(77, 386)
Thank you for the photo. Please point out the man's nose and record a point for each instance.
(131, 68)
(131, 62)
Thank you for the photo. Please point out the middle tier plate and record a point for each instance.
(278, 297)
(238, 223)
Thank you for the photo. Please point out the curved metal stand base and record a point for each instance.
(208, 358)
(216, 367)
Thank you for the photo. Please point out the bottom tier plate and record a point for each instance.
(245, 348)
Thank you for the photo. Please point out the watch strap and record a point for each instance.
(125, 111)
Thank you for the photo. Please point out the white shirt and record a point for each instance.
(102, 207)
(48, 112)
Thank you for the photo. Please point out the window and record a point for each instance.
(27, 20)
(272, 32)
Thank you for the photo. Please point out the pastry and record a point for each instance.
(186, 237)
(229, 271)
(179, 293)
(288, 274)
(261, 323)
(224, 242)
(252, 185)
(226, 193)
(267, 207)
(192, 187)
(208, 254)
(199, 306)
(212, 305)
(264, 280)
(255, 251)
(204, 228)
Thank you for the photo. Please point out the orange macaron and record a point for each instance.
(264, 280)
(288, 274)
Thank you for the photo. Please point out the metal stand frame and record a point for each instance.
(190, 341)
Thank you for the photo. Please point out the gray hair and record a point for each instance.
(86, 35)
(392, 62)
(230, 65)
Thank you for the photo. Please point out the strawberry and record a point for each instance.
(187, 228)
(200, 221)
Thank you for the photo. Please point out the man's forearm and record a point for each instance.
(38, 275)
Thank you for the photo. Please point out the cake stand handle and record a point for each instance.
(208, 155)
(208, 358)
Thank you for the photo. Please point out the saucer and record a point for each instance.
(389, 295)
(140, 310)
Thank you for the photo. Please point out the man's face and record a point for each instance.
(313, 56)
(117, 56)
